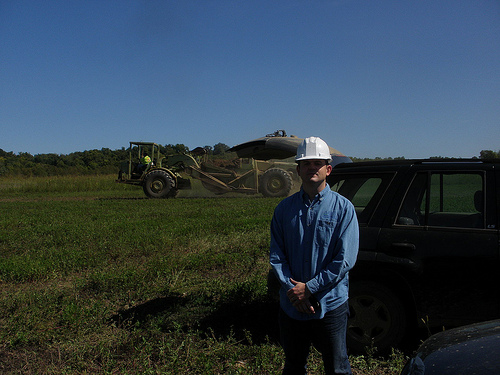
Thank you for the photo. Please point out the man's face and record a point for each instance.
(314, 170)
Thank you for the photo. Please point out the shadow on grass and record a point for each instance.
(243, 319)
(144, 312)
(258, 317)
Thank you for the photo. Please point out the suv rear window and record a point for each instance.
(363, 191)
(444, 200)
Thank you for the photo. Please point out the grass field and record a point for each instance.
(97, 279)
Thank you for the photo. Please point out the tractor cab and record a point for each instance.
(142, 157)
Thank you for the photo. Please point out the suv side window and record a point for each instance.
(363, 191)
(444, 200)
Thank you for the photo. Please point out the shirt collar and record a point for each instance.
(319, 197)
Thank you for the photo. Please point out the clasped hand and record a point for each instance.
(299, 297)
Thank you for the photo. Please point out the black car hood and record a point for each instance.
(472, 349)
(266, 148)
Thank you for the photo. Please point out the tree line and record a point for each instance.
(103, 161)
(107, 161)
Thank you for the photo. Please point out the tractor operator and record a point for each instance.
(144, 162)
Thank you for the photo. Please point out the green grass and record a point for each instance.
(94, 278)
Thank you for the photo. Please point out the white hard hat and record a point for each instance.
(313, 148)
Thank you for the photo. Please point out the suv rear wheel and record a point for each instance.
(377, 318)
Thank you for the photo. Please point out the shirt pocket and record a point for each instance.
(325, 232)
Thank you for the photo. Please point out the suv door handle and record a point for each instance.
(403, 247)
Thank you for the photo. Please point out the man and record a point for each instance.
(144, 162)
(314, 244)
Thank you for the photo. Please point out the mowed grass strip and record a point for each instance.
(96, 282)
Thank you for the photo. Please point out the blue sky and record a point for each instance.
(382, 78)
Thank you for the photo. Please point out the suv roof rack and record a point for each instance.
(417, 161)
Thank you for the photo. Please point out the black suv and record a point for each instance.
(429, 246)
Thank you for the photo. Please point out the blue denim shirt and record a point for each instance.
(315, 243)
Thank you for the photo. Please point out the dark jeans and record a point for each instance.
(328, 335)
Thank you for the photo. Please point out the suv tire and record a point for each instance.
(377, 318)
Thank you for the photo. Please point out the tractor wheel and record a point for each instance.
(159, 184)
(275, 182)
